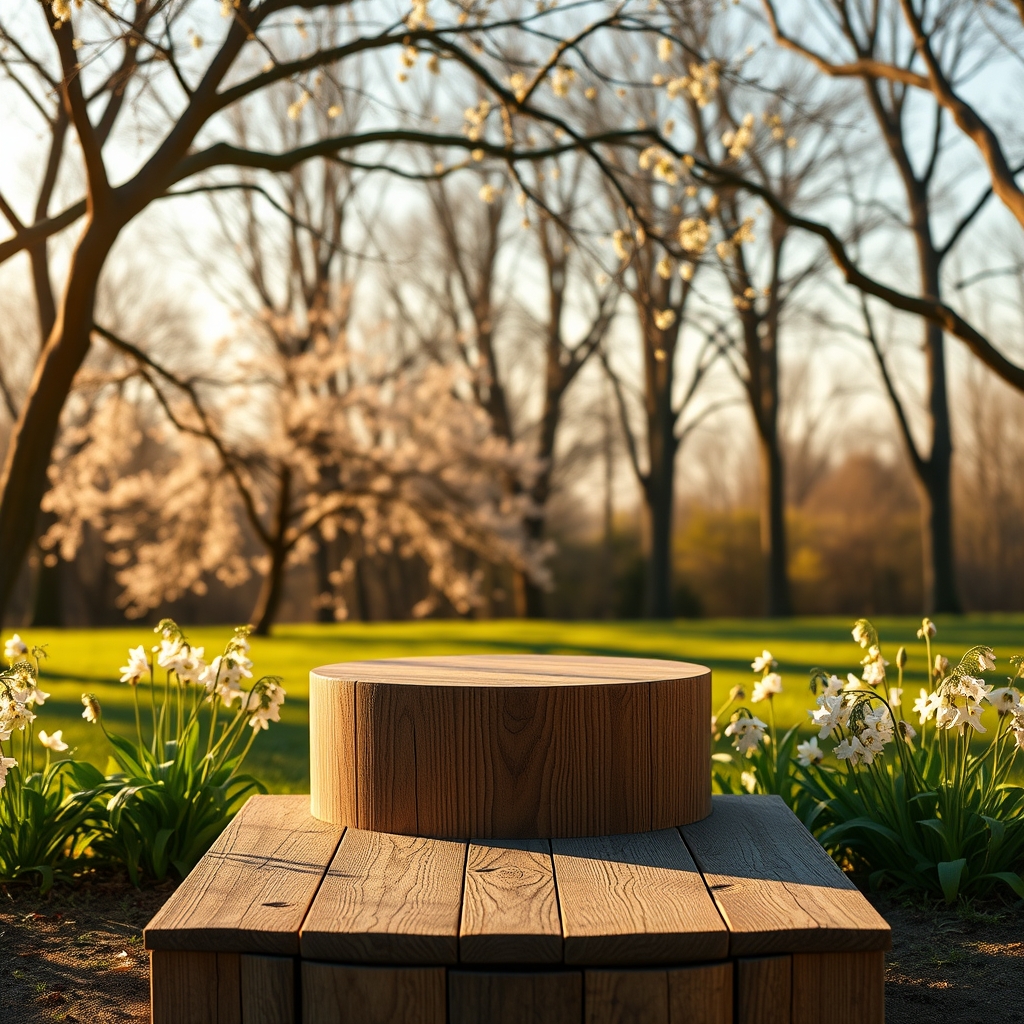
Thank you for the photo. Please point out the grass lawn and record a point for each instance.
(87, 660)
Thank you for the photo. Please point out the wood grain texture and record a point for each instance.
(332, 735)
(626, 997)
(388, 899)
(680, 750)
(839, 988)
(268, 989)
(701, 995)
(776, 888)
(250, 893)
(194, 988)
(764, 990)
(634, 899)
(509, 907)
(511, 746)
(343, 994)
(515, 998)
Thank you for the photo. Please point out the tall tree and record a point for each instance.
(81, 66)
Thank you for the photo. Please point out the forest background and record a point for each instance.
(425, 370)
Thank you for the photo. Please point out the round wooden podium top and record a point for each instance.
(510, 746)
(510, 670)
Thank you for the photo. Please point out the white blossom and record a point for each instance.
(53, 742)
(831, 715)
(986, 659)
(14, 648)
(766, 688)
(926, 705)
(748, 780)
(764, 661)
(927, 629)
(1004, 699)
(809, 752)
(92, 708)
(6, 764)
(137, 667)
(968, 714)
(852, 750)
(747, 733)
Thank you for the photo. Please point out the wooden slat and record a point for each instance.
(388, 899)
(268, 989)
(332, 734)
(764, 990)
(509, 908)
(634, 899)
(777, 889)
(519, 998)
(626, 997)
(250, 893)
(197, 988)
(839, 988)
(701, 995)
(680, 750)
(344, 994)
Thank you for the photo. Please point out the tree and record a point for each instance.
(81, 67)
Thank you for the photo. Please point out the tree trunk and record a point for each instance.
(659, 493)
(268, 604)
(24, 479)
(778, 602)
(324, 613)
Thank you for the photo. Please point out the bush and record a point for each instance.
(46, 806)
(930, 808)
(180, 781)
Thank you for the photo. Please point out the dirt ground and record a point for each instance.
(77, 956)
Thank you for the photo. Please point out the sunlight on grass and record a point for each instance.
(88, 660)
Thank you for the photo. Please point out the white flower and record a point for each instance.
(874, 667)
(14, 648)
(137, 667)
(34, 695)
(190, 665)
(92, 708)
(1005, 699)
(830, 716)
(1018, 734)
(909, 732)
(265, 700)
(6, 764)
(861, 635)
(895, 696)
(54, 742)
(926, 705)
(833, 685)
(986, 659)
(969, 714)
(748, 733)
(973, 689)
(852, 682)
(767, 687)
(763, 662)
(851, 750)
(809, 752)
(927, 629)
(941, 665)
(749, 781)
(945, 716)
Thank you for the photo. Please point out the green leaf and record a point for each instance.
(1014, 881)
(950, 874)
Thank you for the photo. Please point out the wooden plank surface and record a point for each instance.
(839, 988)
(388, 899)
(626, 997)
(346, 994)
(764, 990)
(250, 893)
(268, 989)
(332, 735)
(701, 995)
(509, 908)
(515, 998)
(776, 888)
(197, 988)
(680, 750)
(634, 899)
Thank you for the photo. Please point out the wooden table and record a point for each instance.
(736, 916)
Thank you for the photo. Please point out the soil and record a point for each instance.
(76, 955)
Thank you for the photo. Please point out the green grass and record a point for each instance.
(87, 660)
